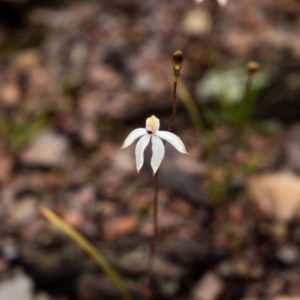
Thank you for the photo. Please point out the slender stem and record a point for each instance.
(246, 105)
(246, 102)
(174, 107)
(154, 237)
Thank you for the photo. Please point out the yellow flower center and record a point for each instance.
(152, 124)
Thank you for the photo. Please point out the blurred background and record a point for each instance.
(77, 76)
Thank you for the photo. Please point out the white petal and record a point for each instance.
(173, 139)
(133, 136)
(139, 150)
(158, 152)
(222, 2)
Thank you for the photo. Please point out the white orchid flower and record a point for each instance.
(221, 2)
(152, 133)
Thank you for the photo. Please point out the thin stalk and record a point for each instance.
(244, 117)
(191, 107)
(174, 107)
(246, 105)
(154, 237)
(244, 113)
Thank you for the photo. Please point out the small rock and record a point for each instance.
(85, 195)
(240, 268)
(142, 82)
(17, 288)
(27, 59)
(48, 149)
(119, 226)
(88, 134)
(74, 218)
(277, 195)
(209, 287)
(23, 211)
(136, 263)
(196, 22)
(9, 249)
(123, 161)
(288, 255)
(9, 94)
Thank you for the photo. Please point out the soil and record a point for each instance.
(77, 76)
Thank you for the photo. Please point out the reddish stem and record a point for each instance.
(154, 238)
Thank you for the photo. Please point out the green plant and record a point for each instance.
(229, 96)
(17, 131)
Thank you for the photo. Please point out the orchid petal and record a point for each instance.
(158, 153)
(173, 139)
(139, 150)
(133, 136)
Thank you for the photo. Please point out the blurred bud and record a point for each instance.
(252, 67)
(177, 64)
